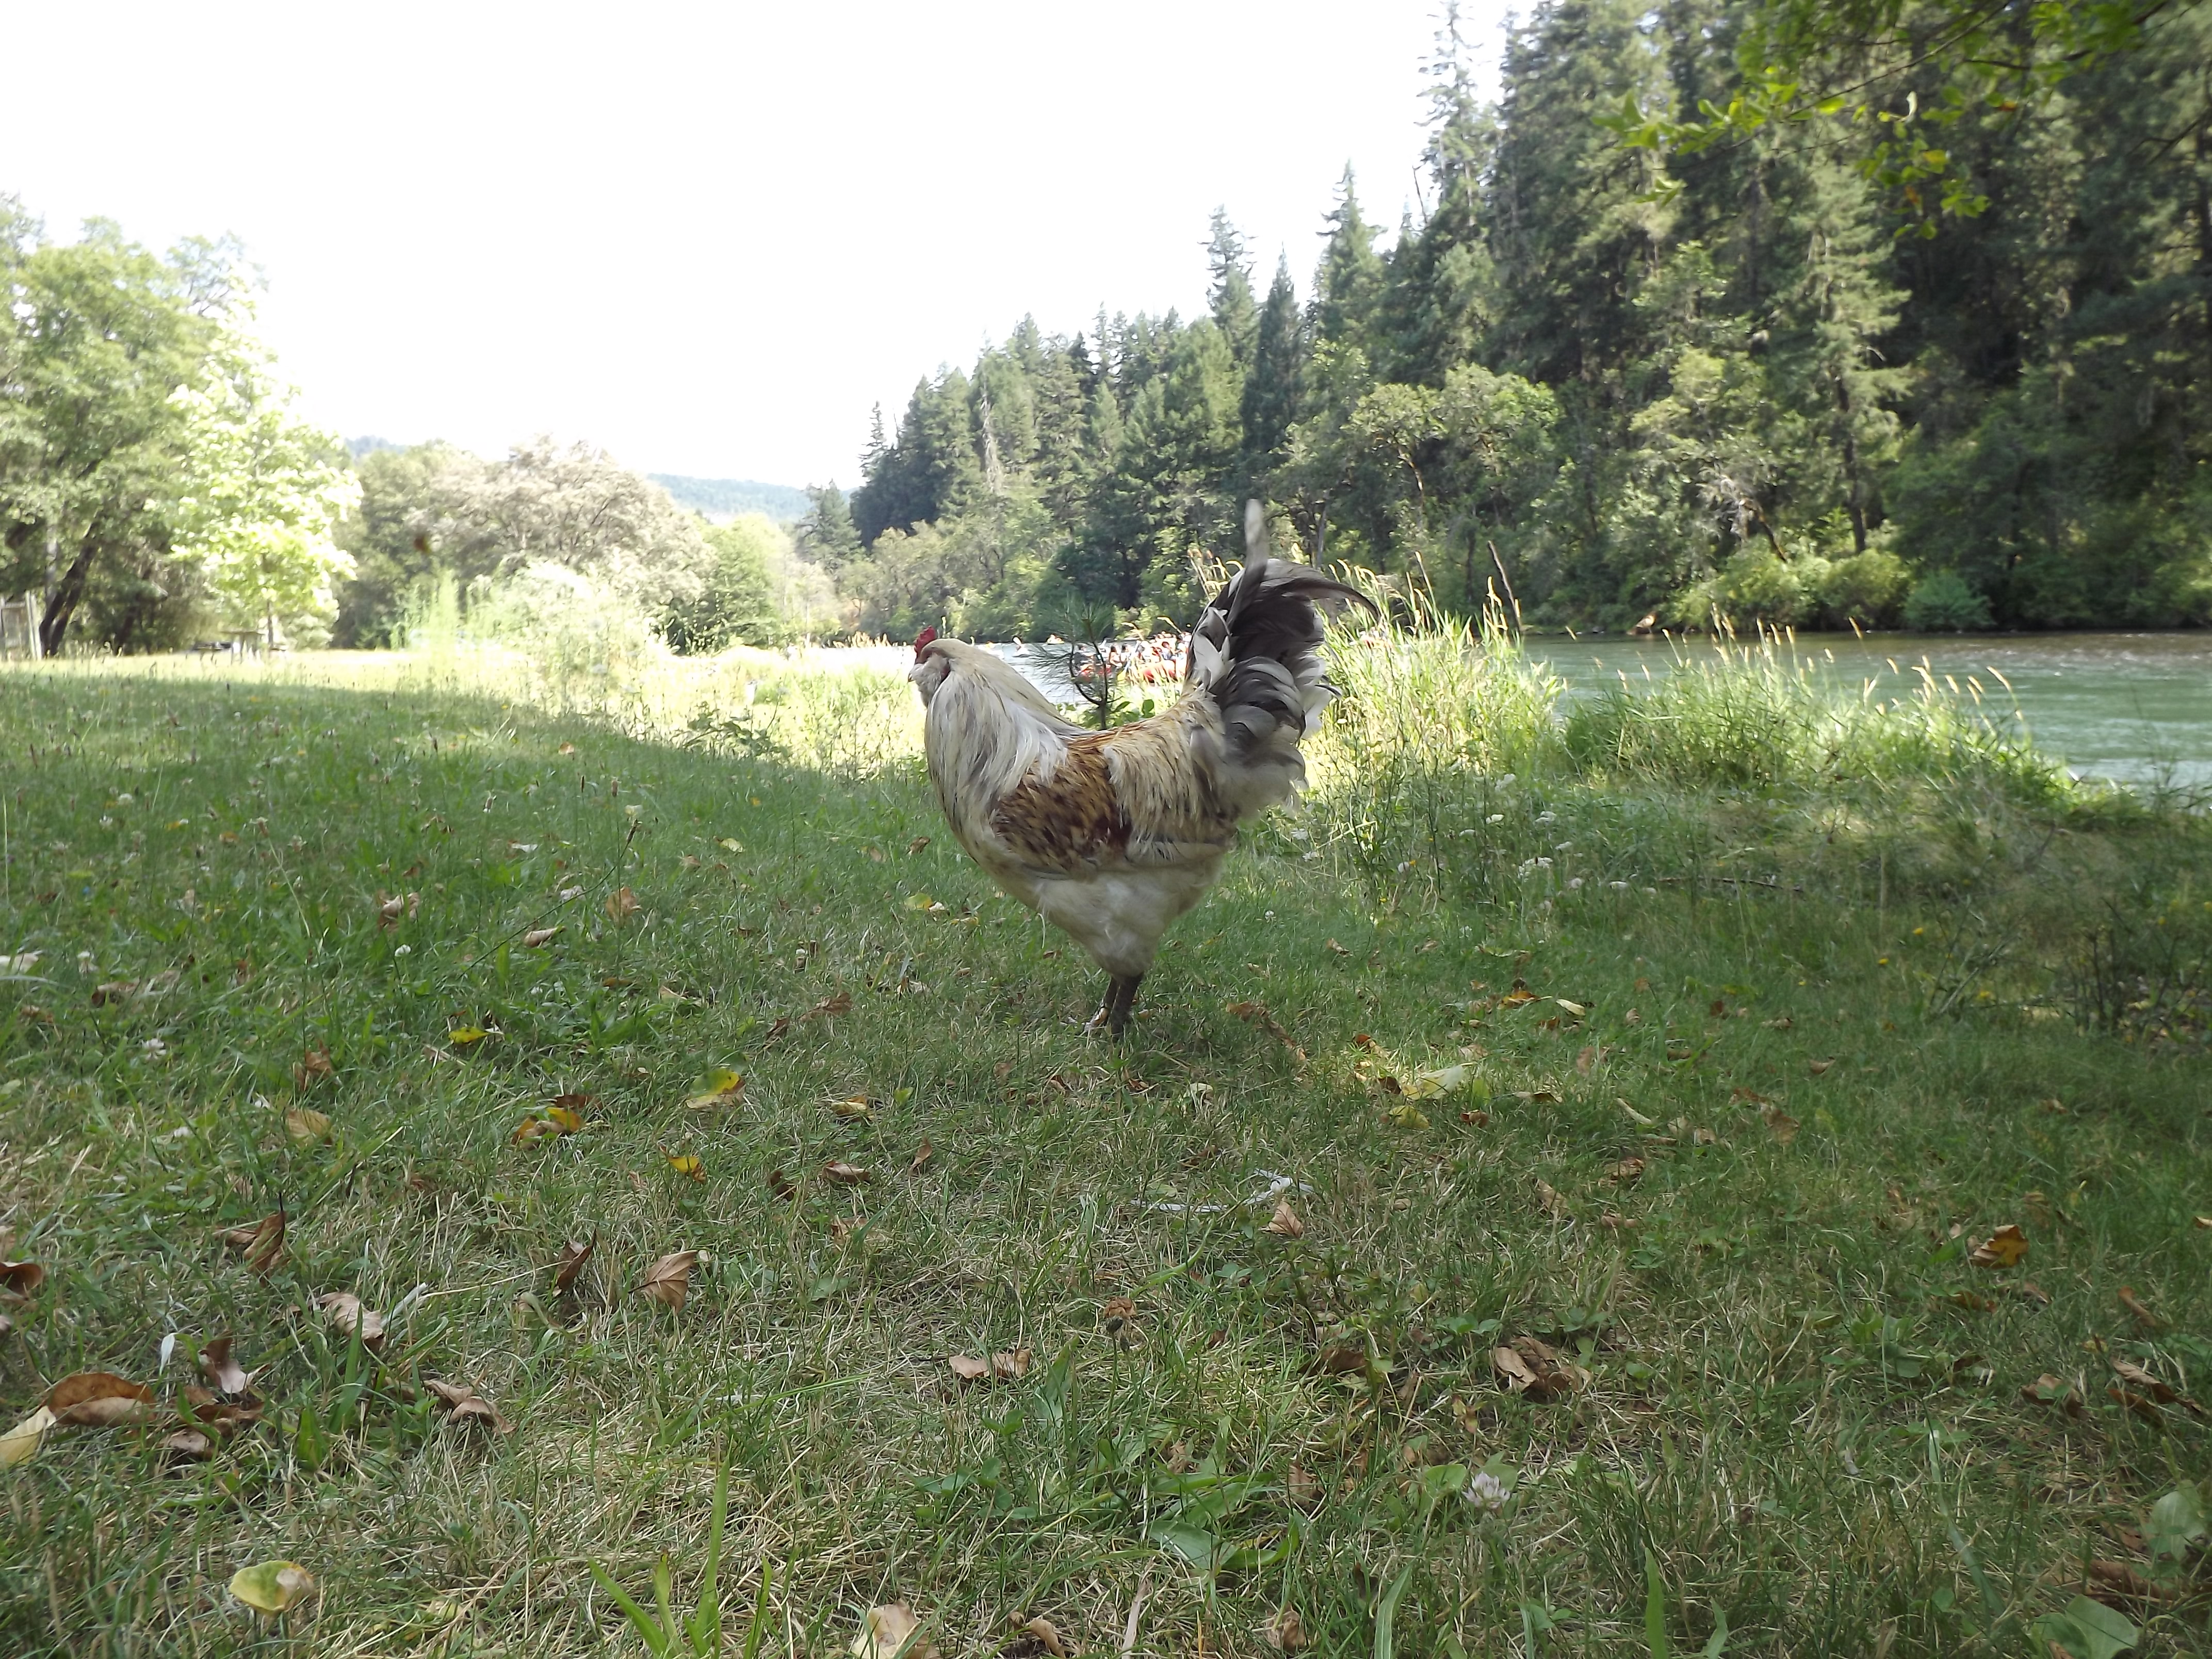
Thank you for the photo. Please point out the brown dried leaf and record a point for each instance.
(886, 1630)
(223, 1418)
(921, 1157)
(841, 1003)
(1512, 1369)
(188, 1446)
(223, 1373)
(1628, 1169)
(2114, 1584)
(1115, 1313)
(1284, 1631)
(348, 1318)
(571, 1260)
(261, 1244)
(1781, 1125)
(845, 1175)
(2029, 1290)
(313, 1067)
(2048, 1390)
(1255, 1013)
(2145, 1408)
(465, 1406)
(1337, 949)
(2135, 1304)
(1043, 1635)
(1341, 1360)
(1817, 1066)
(781, 1184)
(669, 1279)
(21, 1278)
(2005, 1247)
(1302, 1486)
(100, 1400)
(536, 938)
(115, 990)
(1548, 1197)
(621, 906)
(1285, 1222)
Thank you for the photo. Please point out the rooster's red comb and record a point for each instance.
(922, 642)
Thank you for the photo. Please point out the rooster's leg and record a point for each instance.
(1119, 1001)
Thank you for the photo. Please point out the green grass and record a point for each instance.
(1800, 1415)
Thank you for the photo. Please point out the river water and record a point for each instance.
(2136, 708)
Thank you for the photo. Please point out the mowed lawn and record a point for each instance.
(1712, 1177)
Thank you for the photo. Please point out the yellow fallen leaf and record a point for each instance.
(686, 1163)
(305, 1127)
(461, 1035)
(272, 1586)
(1407, 1115)
(2005, 1247)
(729, 844)
(856, 1109)
(719, 1087)
(919, 901)
(566, 1119)
(20, 1443)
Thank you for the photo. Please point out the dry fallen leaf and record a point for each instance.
(2141, 1405)
(1532, 1367)
(2135, 1304)
(1817, 1066)
(2048, 1391)
(621, 906)
(2005, 1247)
(1042, 1635)
(1285, 1224)
(845, 1175)
(20, 1279)
(20, 1443)
(465, 1406)
(1548, 1197)
(2114, 1584)
(1512, 1369)
(2029, 1290)
(348, 1318)
(997, 1368)
(841, 1003)
(1337, 949)
(921, 1157)
(1341, 1360)
(1302, 1486)
(100, 1400)
(854, 1109)
(885, 1630)
(200, 1408)
(272, 1586)
(668, 1281)
(305, 1127)
(1781, 1125)
(188, 1446)
(537, 936)
(223, 1373)
(261, 1244)
(313, 1066)
(115, 990)
(1115, 1313)
(1254, 1013)
(1628, 1169)
(571, 1260)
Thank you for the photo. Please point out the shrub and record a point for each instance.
(1941, 603)
(1864, 588)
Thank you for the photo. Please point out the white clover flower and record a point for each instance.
(404, 950)
(1486, 1493)
(1495, 817)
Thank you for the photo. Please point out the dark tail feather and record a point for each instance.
(1255, 646)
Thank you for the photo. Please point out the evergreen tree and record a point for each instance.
(1350, 277)
(1229, 298)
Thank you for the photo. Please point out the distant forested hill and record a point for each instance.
(723, 498)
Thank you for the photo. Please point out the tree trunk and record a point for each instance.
(62, 604)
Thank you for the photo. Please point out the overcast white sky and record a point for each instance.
(709, 237)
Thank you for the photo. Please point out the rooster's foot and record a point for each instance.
(1113, 1015)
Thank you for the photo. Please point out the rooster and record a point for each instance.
(1111, 835)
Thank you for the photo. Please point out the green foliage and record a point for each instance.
(1777, 377)
(1941, 603)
